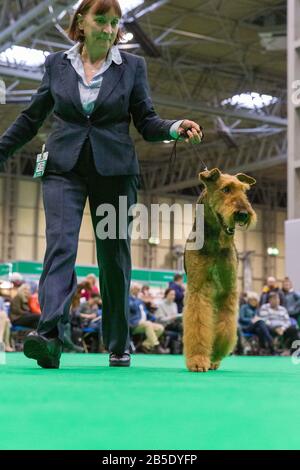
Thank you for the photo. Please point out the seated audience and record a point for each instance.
(140, 322)
(250, 322)
(20, 313)
(84, 314)
(271, 287)
(4, 327)
(278, 321)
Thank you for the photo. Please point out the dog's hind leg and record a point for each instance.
(225, 332)
(198, 330)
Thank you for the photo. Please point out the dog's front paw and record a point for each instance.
(215, 365)
(198, 363)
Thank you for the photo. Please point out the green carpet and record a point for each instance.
(250, 403)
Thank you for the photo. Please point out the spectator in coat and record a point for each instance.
(292, 299)
(167, 315)
(271, 286)
(250, 322)
(167, 310)
(177, 286)
(20, 313)
(88, 312)
(278, 320)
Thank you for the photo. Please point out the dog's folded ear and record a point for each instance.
(245, 178)
(209, 176)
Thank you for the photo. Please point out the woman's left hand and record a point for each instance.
(195, 133)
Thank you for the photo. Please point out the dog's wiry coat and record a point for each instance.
(211, 302)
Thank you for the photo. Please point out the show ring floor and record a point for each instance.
(250, 403)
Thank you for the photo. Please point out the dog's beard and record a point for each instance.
(229, 229)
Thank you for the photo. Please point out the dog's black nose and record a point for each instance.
(241, 217)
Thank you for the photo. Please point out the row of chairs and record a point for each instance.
(87, 337)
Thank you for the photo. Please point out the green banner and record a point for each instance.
(5, 269)
(145, 276)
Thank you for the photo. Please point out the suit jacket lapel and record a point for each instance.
(111, 77)
(70, 83)
(69, 78)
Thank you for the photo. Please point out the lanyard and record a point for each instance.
(174, 156)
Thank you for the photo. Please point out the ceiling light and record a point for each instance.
(250, 100)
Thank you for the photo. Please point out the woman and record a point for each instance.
(167, 311)
(250, 322)
(20, 313)
(93, 90)
(167, 315)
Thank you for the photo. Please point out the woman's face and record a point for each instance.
(99, 30)
(171, 296)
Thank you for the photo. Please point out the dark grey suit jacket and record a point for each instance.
(124, 93)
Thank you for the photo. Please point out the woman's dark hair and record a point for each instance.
(167, 292)
(99, 7)
(76, 297)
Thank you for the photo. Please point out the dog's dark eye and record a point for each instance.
(226, 189)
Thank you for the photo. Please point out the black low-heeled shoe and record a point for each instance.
(46, 351)
(119, 360)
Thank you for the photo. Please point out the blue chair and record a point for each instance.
(251, 347)
(17, 329)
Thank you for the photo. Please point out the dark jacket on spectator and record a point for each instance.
(264, 299)
(17, 308)
(292, 302)
(179, 295)
(86, 308)
(247, 312)
(138, 312)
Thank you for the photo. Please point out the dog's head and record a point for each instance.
(227, 198)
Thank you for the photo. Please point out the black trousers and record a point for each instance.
(260, 329)
(27, 319)
(64, 197)
(290, 335)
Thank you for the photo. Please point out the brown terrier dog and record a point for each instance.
(211, 302)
